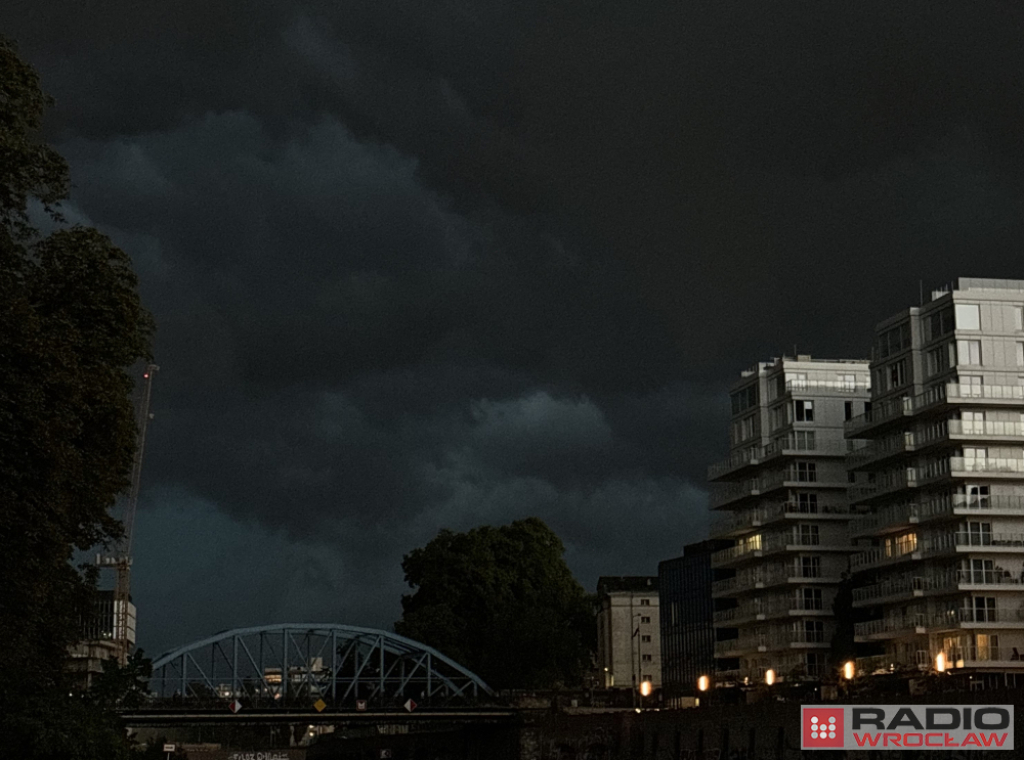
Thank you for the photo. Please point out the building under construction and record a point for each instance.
(108, 628)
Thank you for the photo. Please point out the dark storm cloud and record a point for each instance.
(421, 266)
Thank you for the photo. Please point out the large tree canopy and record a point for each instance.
(501, 602)
(71, 325)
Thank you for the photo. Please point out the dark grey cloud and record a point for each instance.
(420, 266)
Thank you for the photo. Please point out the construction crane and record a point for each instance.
(121, 557)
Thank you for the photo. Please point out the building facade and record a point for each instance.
(940, 577)
(780, 499)
(628, 631)
(687, 620)
(100, 633)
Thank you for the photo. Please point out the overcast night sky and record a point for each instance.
(423, 265)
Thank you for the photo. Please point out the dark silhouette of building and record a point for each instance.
(687, 620)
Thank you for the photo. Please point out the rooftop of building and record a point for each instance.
(805, 361)
(631, 583)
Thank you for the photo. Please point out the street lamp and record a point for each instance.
(769, 676)
(645, 689)
(849, 670)
(940, 662)
(702, 683)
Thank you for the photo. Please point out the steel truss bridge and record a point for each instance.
(325, 667)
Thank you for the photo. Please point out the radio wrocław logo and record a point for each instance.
(934, 727)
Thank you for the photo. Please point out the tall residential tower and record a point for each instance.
(781, 498)
(941, 580)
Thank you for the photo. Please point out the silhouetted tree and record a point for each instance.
(843, 649)
(71, 325)
(503, 603)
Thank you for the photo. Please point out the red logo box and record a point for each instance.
(822, 728)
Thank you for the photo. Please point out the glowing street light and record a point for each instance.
(769, 676)
(703, 682)
(940, 662)
(645, 689)
(848, 670)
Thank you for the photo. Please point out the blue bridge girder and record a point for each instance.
(284, 664)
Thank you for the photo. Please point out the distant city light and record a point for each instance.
(940, 662)
(703, 682)
(848, 670)
(645, 688)
(769, 676)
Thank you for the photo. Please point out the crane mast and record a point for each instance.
(121, 558)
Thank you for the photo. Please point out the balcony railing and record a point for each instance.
(885, 482)
(973, 615)
(890, 625)
(779, 640)
(790, 444)
(771, 543)
(778, 606)
(726, 522)
(883, 554)
(879, 412)
(907, 514)
(918, 585)
(946, 542)
(775, 574)
(959, 392)
(987, 464)
(885, 447)
(894, 587)
(949, 392)
(987, 428)
(831, 386)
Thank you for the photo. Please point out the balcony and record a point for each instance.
(989, 430)
(885, 555)
(987, 465)
(726, 524)
(960, 505)
(888, 519)
(889, 628)
(973, 542)
(879, 450)
(880, 413)
(902, 588)
(1001, 395)
(789, 445)
(896, 517)
(773, 543)
(892, 589)
(768, 642)
(769, 576)
(885, 483)
(773, 608)
(787, 477)
(829, 387)
(980, 617)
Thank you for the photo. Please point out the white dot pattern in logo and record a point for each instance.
(824, 730)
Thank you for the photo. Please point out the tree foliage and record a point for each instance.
(501, 602)
(843, 648)
(71, 325)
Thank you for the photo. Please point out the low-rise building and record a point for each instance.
(628, 631)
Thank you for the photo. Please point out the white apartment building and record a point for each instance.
(781, 498)
(628, 631)
(942, 572)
